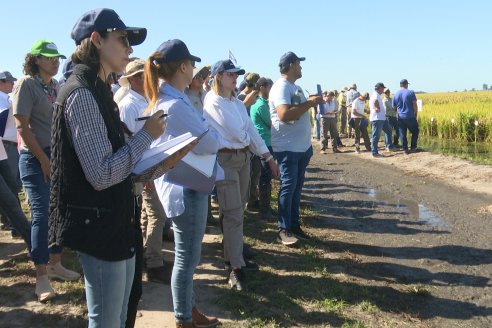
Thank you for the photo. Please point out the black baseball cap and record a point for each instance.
(262, 81)
(105, 20)
(289, 58)
(404, 82)
(379, 85)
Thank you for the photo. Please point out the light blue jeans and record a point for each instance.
(189, 229)
(292, 166)
(107, 289)
(377, 127)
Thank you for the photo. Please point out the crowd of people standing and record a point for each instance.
(74, 147)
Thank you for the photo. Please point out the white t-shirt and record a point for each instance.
(359, 106)
(10, 133)
(131, 107)
(293, 136)
(381, 115)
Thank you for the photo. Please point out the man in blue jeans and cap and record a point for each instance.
(405, 103)
(291, 143)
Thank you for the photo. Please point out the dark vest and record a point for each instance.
(98, 223)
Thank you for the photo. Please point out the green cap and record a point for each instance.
(45, 48)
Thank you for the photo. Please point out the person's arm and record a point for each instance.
(264, 113)
(287, 113)
(414, 103)
(250, 98)
(102, 167)
(22, 125)
(376, 105)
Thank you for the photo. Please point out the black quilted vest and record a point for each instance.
(98, 223)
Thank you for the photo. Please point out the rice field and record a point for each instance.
(463, 116)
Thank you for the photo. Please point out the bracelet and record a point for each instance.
(269, 158)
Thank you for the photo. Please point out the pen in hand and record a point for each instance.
(143, 118)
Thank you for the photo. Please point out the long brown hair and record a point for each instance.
(30, 67)
(153, 70)
(87, 53)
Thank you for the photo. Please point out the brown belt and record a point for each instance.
(233, 151)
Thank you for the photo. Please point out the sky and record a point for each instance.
(437, 45)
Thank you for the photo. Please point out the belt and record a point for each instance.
(10, 142)
(234, 151)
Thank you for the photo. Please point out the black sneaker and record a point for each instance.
(237, 279)
(299, 234)
(250, 265)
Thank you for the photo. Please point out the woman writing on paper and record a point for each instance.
(172, 64)
(228, 116)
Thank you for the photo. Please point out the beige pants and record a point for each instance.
(152, 220)
(233, 195)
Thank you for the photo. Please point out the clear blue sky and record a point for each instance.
(437, 45)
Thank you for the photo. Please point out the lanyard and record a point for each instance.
(49, 90)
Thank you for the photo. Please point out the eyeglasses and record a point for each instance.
(51, 59)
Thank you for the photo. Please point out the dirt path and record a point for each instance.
(396, 228)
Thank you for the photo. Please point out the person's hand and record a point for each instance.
(315, 100)
(149, 185)
(274, 169)
(155, 125)
(250, 98)
(45, 168)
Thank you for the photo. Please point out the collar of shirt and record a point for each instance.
(172, 92)
(138, 96)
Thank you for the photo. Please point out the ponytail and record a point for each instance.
(151, 81)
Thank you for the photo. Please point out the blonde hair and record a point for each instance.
(153, 70)
(218, 89)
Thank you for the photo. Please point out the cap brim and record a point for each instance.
(195, 58)
(136, 35)
(237, 70)
(302, 58)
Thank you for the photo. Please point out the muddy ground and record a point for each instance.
(412, 233)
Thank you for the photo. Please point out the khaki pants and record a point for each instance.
(233, 194)
(152, 220)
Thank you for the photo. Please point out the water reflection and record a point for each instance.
(480, 152)
(404, 206)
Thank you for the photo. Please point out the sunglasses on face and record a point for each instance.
(123, 39)
(51, 59)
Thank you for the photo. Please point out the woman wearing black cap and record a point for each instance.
(238, 138)
(187, 204)
(92, 207)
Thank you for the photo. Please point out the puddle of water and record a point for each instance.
(480, 152)
(404, 206)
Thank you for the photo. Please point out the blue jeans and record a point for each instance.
(412, 125)
(38, 192)
(292, 166)
(10, 205)
(377, 126)
(13, 160)
(107, 289)
(189, 229)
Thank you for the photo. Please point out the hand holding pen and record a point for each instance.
(155, 124)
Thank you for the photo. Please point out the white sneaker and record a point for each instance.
(44, 291)
(286, 238)
(58, 271)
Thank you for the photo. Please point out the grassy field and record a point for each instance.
(464, 116)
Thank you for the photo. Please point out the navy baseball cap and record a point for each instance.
(107, 20)
(379, 85)
(289, 58)
(5, 75)
(226, 65)
(175, 50)
(404, 82)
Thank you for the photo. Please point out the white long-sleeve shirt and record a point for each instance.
(230, 119)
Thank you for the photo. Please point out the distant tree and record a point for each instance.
(485, 86)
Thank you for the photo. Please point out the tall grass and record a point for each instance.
(465, 116)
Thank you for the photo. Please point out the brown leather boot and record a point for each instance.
(185, 325)
(200, 320)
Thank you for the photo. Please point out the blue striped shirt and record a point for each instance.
(102, 167)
